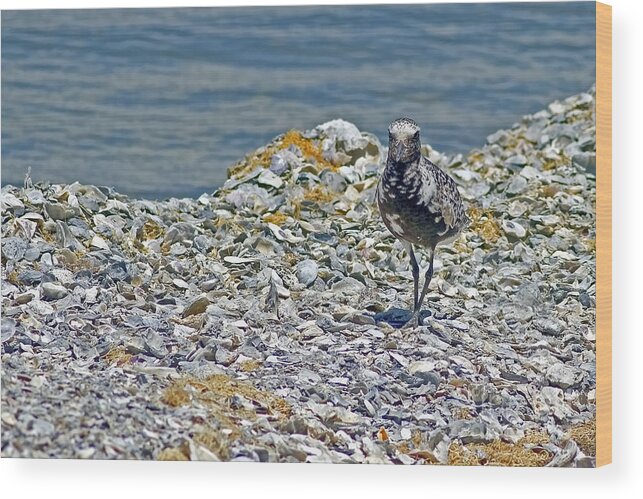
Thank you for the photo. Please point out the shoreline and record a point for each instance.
(243, 325)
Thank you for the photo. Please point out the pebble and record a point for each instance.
(560, 375)
(155, 345)
(8, 329)
(517, 185)
(53, 291)
(556, 107)
(197, 306)
(270, 179)
(513, 229)
(585, 161)
(516, 161)
(13, 248)
(549, 325)
(119, 271)
(307, 271)
(348, 285)
(56, 211)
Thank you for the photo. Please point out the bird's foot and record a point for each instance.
(417, 319)
(413, 322)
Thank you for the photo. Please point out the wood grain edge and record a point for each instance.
(603, 234)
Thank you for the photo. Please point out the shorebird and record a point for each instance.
(419, 203)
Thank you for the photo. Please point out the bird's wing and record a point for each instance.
(447, 198)
(448, 214)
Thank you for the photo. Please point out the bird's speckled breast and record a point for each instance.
(406, 200)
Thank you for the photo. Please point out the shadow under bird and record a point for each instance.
(419, 203)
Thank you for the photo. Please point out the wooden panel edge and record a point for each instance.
(603, 234)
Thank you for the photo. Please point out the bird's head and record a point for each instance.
(404, 141)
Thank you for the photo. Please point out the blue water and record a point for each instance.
(159, 102)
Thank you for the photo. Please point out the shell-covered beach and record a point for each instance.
(261, 322)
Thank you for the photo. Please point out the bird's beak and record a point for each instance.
(397, 151)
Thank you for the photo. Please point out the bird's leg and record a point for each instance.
(415, 268)
(427, 280)
(414, 321)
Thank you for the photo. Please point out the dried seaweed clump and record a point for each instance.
(173, 454)
(118, 356)
(151, 230)
(416, 448)
(309, 148)
(216, 393)
(276, 218)
(584, 434)
(220, 394)
(216, 441)
(250, 365)
(176, 395)
(525, 452)
(213, 388)
(462, 413)
(318, 194)
(484, 224)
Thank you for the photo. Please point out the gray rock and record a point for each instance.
(210, 284)
(518, 185)
(119, 271)
(284, 160)
(56, 211)
(53, 291)
(196, 306)
(348, 285)
(203, 243)
(35, 197)
(565, 456)
(562, 376)
(513, 230)
(8, 329)
(533, 133)
(363, 319)
(155, 345)
(515, 162)
(307, 271)
(269, 179)
(178, 232)
(499, 137)
(515, 312)
(24, 298)
(30, 277)
(13, 248)
(556, 107)
(550, 326)
(472, 432)
(586, 161)
(585, 300)
(42, 427)
(11, 202)
(65, 238)
(424, 371)
(224, 356)
(135, 345)
(32, 254)
(40, 307)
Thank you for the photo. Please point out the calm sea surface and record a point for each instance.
(159, 102)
